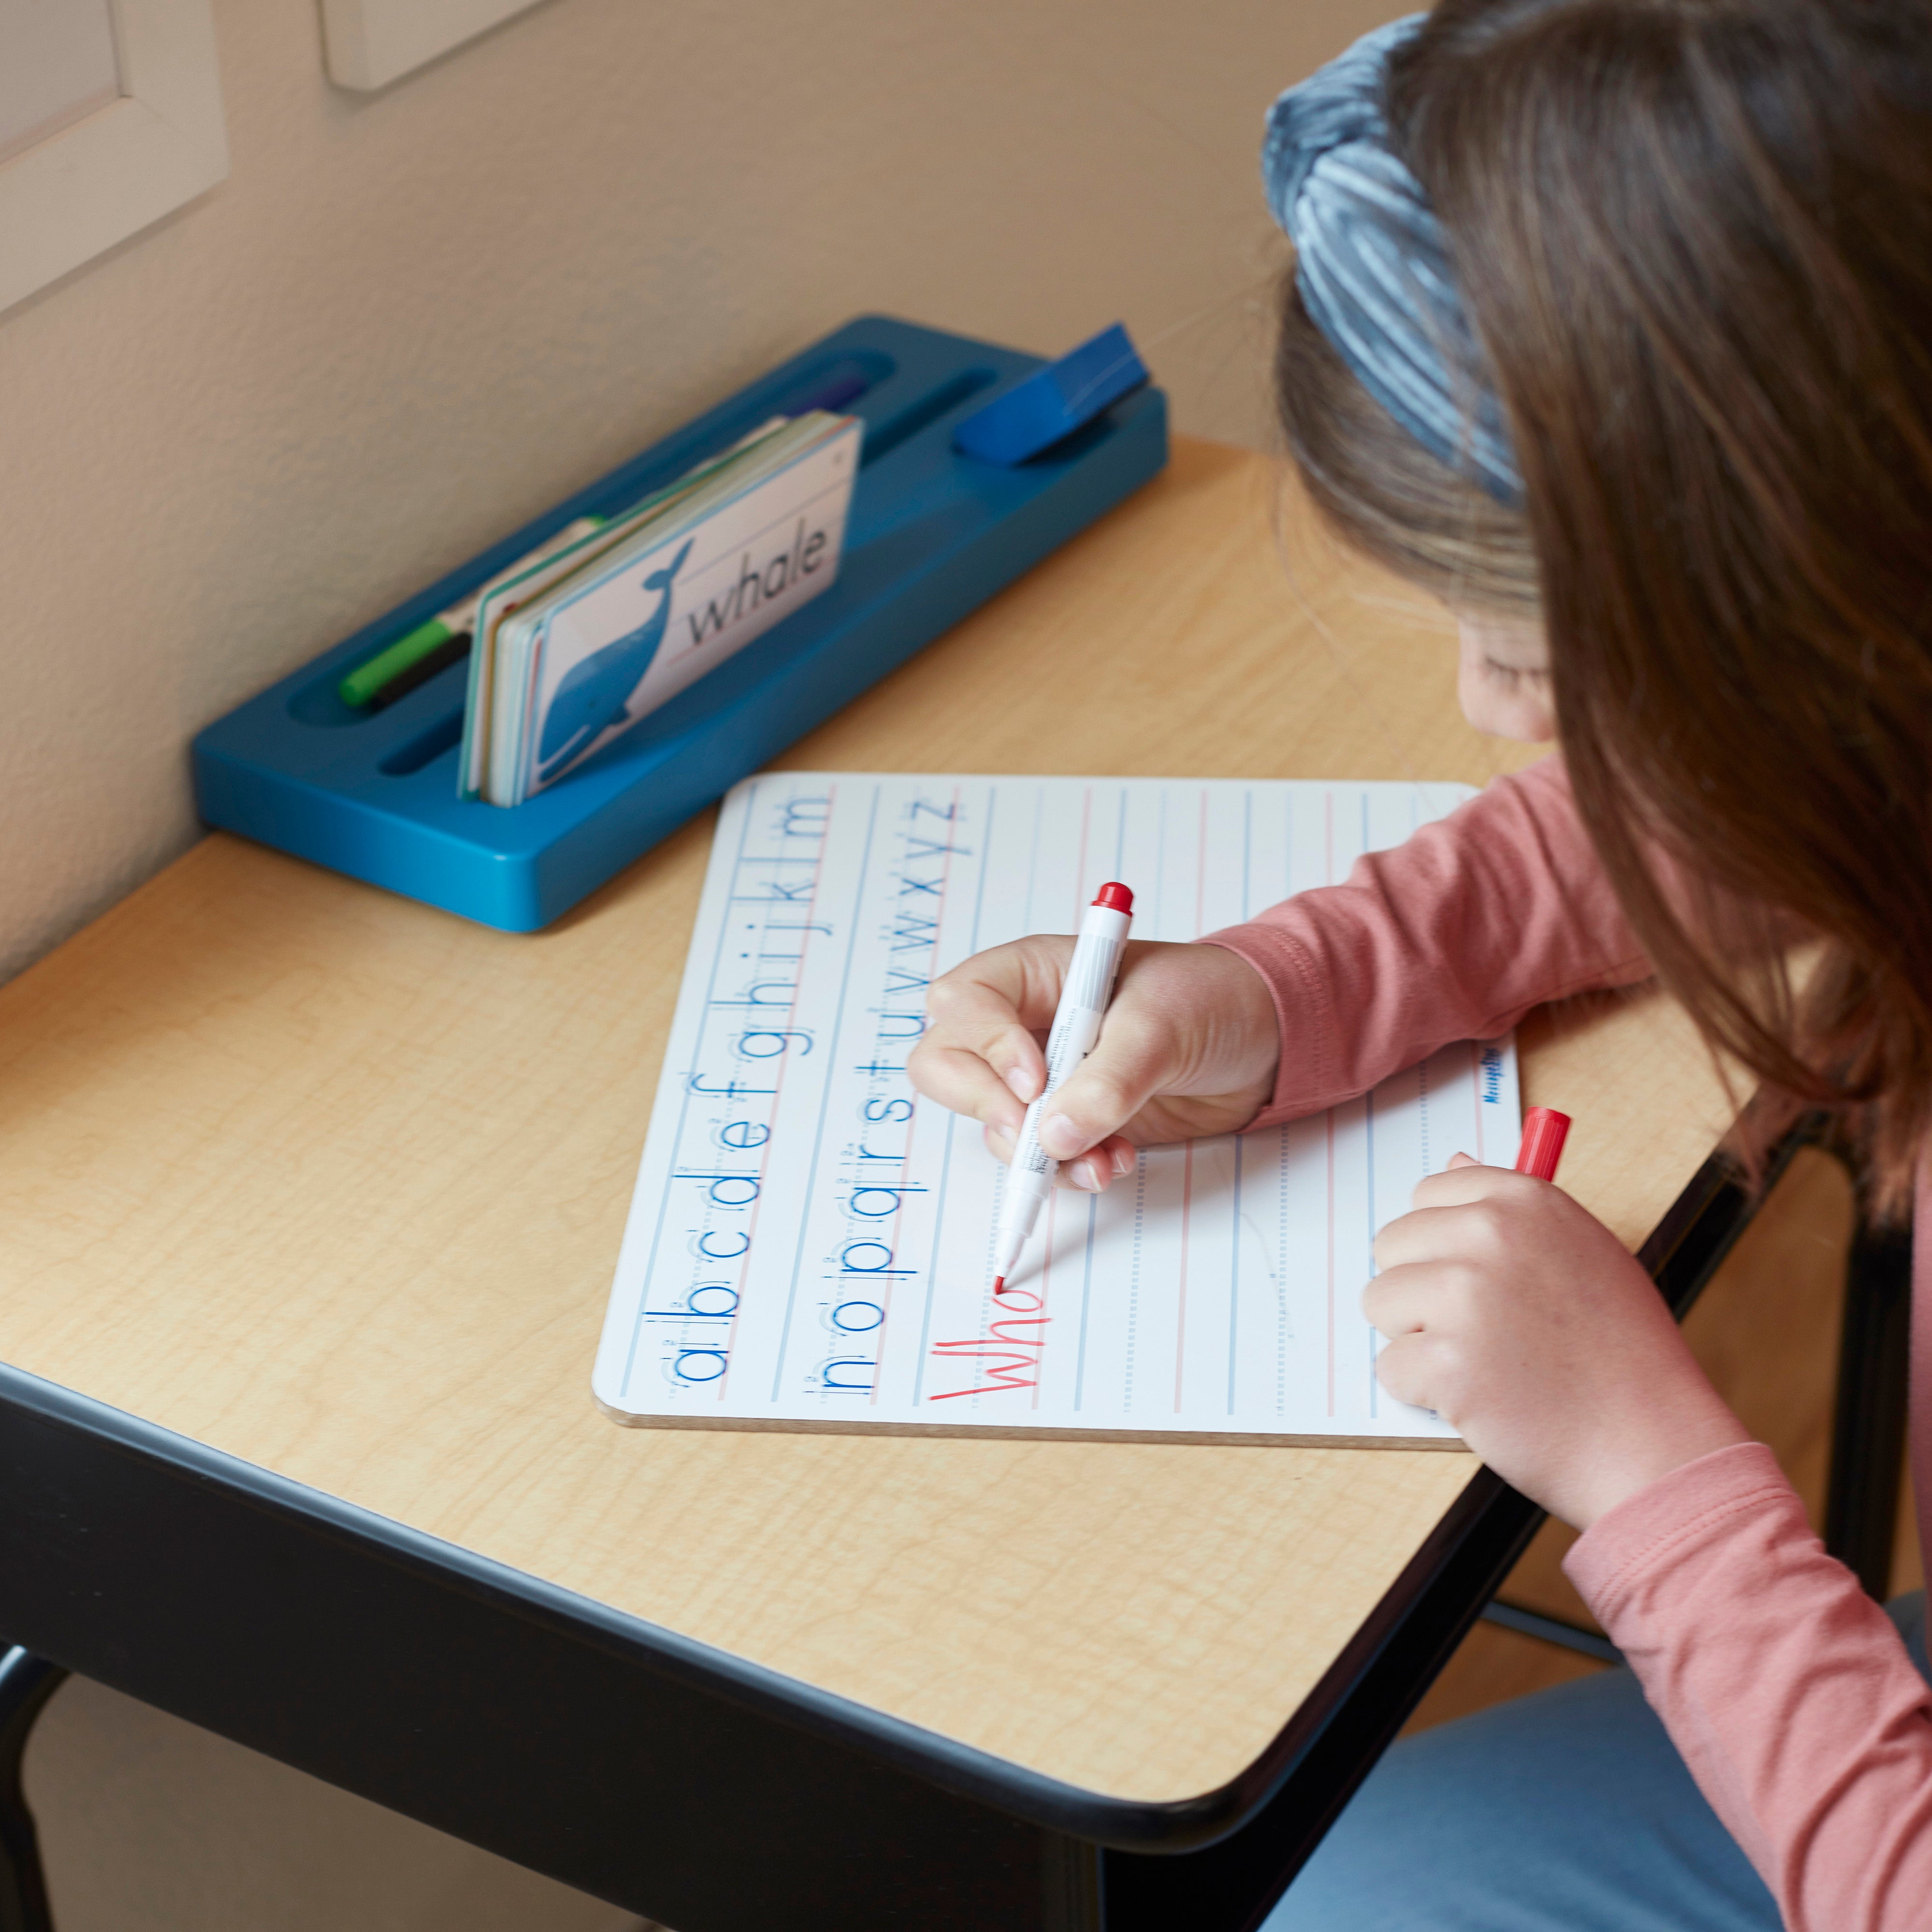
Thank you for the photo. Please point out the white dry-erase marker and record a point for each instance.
(1076, 1026)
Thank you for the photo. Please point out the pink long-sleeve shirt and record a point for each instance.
(1788, 1691)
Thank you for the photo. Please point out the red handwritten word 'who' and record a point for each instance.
(1009, 1355)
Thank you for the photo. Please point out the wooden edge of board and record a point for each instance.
(1011, 1432)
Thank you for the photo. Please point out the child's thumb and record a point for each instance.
(1131, 1063)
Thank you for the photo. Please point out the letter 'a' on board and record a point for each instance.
(1049, 405)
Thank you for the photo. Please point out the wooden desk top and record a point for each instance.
(334, 1182)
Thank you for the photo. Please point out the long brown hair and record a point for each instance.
(1695, 240)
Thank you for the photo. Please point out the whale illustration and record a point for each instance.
(596, 694)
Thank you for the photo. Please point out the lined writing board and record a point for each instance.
(810, 1242)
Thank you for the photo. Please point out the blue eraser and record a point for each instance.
(1052, 402)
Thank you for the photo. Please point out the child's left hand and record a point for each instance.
(1524, 1322)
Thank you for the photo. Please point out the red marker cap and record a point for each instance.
(1115, 898)
(1543, 1129)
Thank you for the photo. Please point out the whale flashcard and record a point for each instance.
(593, 640)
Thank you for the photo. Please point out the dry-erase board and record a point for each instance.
(809, 1243)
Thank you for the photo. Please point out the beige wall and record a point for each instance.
(409, 321)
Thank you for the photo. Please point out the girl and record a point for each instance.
(1611, 323)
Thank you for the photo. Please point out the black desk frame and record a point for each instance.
(681, 1783)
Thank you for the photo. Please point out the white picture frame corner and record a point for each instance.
(90, 186)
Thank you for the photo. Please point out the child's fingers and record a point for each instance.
(988, 1010)
(1469, 1180)
(963, 1083)
(1407, 1299)
(1411, 1369)
(1465, 1229)
(1132, 1061)
(1093, 1173)
(969, 1017)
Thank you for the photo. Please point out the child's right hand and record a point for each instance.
(1188, 1048)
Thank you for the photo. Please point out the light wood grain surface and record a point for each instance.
(334, 1182)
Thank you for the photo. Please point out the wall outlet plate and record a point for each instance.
(371, 43)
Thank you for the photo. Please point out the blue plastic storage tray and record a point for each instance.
(932, 534)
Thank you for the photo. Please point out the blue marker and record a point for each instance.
(1054, 402)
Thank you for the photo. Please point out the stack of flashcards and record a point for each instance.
(613, 619)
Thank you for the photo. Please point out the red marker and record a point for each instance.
(1544, 1129)
(1076, 1026)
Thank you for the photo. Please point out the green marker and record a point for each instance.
(368, 678)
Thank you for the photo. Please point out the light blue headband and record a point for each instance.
(1373, 264)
